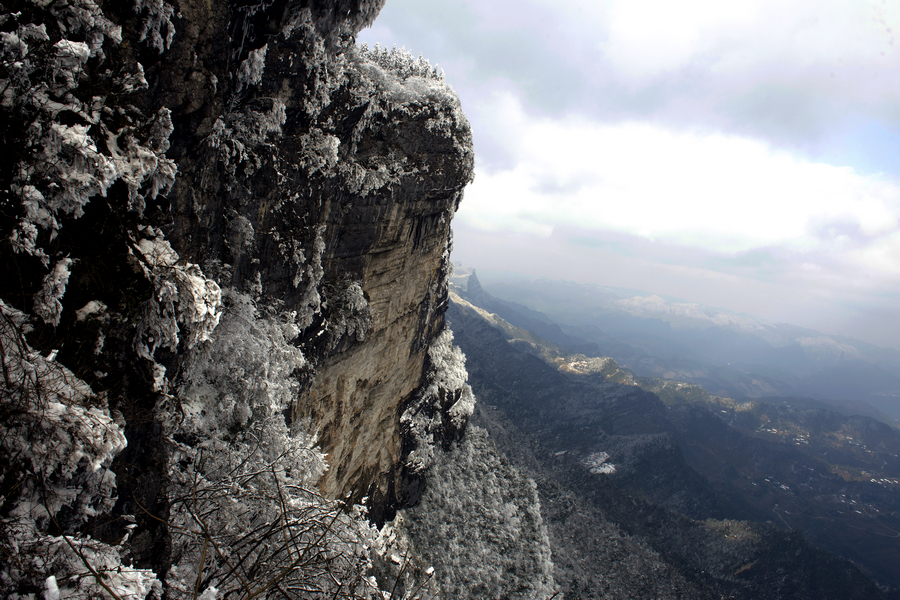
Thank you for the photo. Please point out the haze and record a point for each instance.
(740, 155)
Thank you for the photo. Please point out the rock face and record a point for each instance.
(190, 162)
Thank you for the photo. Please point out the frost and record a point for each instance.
(83, 568)
(139, 165)
(249, 362)
(58, 441)
(237, 135)
(240, 235)
(69, 64)
(348, 312)
(186, 302)
(84, 17)
(131, 82)
(450, 365)
(70, 159)
(444, 405)
(400, 62)
(405, 80)
(251, 69)
(66, 163)
(237, 471)
(479, 523)
(253, 127)
(319, 152)
(309, 269)
(159, 16)
(48, 302)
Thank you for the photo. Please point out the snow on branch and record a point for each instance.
(243, 484)
(159, 17)
(443, 406)
(57, 440)
(48, 302)
(479, 523)
(64, 165)
(400, 62)
(185, 300)
(251, 69)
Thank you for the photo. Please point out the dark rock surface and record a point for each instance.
(244, 149)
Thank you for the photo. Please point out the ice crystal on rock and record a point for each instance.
(159, 16)
(83, 17)
(348, 312)
(444, 404)
(251, 70)
(236, 136)
(48, 302)
(240, 235)
(310, 269)
(57, 442)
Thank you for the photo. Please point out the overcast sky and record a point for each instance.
(744, 155)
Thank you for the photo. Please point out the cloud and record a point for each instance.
(770, 283)
(720, 192)
(789, 72)
(735, 154)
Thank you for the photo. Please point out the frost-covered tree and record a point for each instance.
(479, 523)
(57, 441)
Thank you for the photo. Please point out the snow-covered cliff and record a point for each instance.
(225, 250)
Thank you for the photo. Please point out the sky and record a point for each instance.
(744, 155)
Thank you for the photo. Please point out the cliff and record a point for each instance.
(226, 237)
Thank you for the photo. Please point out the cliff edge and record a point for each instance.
(225, 247)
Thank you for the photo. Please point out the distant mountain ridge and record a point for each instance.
(663, 476)
(727, 353)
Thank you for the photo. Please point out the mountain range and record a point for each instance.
(695, 494)
(727, 353)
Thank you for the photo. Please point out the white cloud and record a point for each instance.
(719, 192)
(688, 165)
(642, 38)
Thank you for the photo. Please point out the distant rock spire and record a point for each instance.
(474, 292)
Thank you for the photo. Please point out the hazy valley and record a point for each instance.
(789, 465)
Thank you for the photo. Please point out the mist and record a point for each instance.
(743, 157)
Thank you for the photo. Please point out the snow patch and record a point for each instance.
(597, 463)
(94, 307)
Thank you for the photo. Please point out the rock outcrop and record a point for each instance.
(227, 215)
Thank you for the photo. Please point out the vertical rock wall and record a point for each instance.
(325, 167)
(183, 158)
